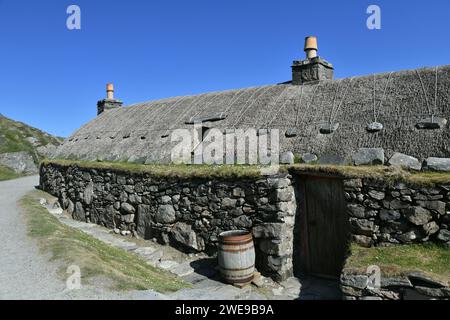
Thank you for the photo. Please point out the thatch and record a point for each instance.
(398, 100)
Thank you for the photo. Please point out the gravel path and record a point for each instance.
(24, 272)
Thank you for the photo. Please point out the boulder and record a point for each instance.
(332, 159)
(19, 162)
(165, 214)
(368, 156)
(287, 158)
(127, 208)
(417, 215)
(374, 127)
(404, 161)
(437, 164)
(309, 158)
(183, 234)
(444, 235)
(389, 215)
(432, 123)
(431, 228)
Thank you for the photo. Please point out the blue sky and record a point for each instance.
(51, 77)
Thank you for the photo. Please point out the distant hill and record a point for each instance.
(22, 146)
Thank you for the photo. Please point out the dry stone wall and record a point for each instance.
(384, 215)
(188, 214)
(414, 285)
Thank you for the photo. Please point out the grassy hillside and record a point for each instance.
(7, 174)
(16, 136)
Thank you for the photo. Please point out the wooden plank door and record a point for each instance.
(327, 225)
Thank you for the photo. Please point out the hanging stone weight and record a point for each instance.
(329, 128)
(432, 123)
(374, 127)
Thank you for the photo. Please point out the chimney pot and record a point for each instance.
(311, 47)
(110, 91)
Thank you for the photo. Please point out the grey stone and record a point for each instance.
(165, 214)
(79, 213)
(398, 204)
(127, 208)
(444, 235)
(19, 162)
(368, 156)
(228, 203)
(356, 210)
(166, 199)
(437, 164)
(329, 128)
(431, 228)
(420, 278)
(287, 158)
(243, 222)
(363, 240)
(309, 158)
(389, 215)
(354, 280)
(353, 183)
(283, 195)
(409, 236)
(183, 234)
(351, 291)
(437, 206)
(418, 215)
(374, 127)
(363, 226)
(377, 195)
(396, 282)
(432, 123)
(88, 193)
(431, 292)
(332, 159)
(405, 161)
(128, 218)
(269, 230)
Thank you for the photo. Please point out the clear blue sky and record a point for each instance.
(51, 77)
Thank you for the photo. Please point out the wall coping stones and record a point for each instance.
(437, 164)
(405, 161)
(368, 156)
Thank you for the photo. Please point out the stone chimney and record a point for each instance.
(109, 102)
(313, 68)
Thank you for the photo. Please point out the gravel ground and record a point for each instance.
(27, 274)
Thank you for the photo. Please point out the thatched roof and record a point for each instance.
(398, 100)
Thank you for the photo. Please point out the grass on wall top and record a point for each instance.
(389, 175)
(431, 259)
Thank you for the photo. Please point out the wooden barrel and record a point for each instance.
(236, 256)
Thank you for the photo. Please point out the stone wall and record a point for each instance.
(410, 286)
(187, 213)
(190, 213)
(399, 214)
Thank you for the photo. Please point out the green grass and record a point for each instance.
(389, 175)
(69, 246)
(161, 170)
(7, 174)
(431, 259)
(13, 136)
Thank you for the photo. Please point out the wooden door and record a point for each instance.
(324, 230)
